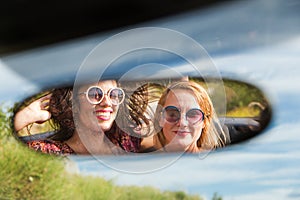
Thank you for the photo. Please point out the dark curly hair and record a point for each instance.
(60, 108)
(135, 108)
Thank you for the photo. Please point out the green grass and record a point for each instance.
(25, 174)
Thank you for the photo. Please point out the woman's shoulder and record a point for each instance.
(51, 147)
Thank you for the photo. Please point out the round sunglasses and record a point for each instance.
(172, 115)
(95, 95)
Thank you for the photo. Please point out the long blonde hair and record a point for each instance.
(212, 132)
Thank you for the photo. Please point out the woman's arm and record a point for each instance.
(34, 112)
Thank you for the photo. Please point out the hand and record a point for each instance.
(36, 112)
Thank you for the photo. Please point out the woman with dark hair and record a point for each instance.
(84, 120)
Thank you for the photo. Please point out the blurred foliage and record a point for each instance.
(5, 123)
(241, 94)
(243, 112)
(238, 97)
(216, 197)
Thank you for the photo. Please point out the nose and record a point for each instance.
(105, 101)
(182, 121)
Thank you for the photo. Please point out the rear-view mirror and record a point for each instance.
(242, 112)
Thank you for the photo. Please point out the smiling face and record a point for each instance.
(97, 116)
(181, 135)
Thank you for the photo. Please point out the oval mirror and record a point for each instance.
(130, 114)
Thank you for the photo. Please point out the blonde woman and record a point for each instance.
(186, 120)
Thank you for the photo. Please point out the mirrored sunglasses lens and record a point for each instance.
(116, 96)
(95, 95)
(194, 116)
(171, 114)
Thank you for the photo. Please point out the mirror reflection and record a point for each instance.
(123, 117)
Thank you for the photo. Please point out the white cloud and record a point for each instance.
(274, 67)
(274, 194)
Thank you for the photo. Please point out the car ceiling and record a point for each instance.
(30, 24)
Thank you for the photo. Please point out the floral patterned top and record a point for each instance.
(51, 147)
(119, 138)
(124, 140)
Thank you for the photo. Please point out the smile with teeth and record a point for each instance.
(103, 114)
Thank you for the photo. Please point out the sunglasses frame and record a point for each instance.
(164, 110)
(108, 94)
